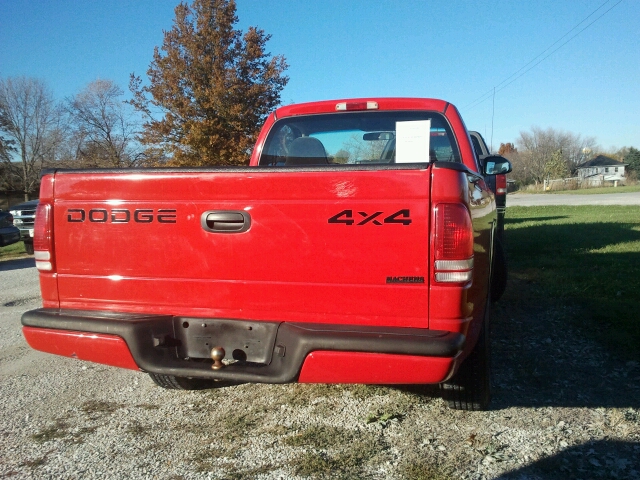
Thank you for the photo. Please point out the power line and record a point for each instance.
(551, 53)
(501, 86)
(488, 94)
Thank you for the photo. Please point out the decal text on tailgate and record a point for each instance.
(347, 217)
(121, 215)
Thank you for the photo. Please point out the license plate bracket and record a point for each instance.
(242, 340)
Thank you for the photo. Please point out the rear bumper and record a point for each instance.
(268, 352)
(26, 232)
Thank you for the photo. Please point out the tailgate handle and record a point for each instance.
(225, 221)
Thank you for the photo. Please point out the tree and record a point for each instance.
(507, 149)
(213, 86)
(633, 159)
(537, 148)
(104, 132)
(30, 125)
(6, 148)
(6, 175)
(356, 149)
(342, 156)
(556, 166)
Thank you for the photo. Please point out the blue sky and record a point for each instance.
(455, 50)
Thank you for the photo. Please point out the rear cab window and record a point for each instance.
(476, 146)
(360, 138)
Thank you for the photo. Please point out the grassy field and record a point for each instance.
(587, 257)
(14, 250)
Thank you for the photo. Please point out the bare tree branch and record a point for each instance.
(29, 119)
(104, 131)
(541, 153)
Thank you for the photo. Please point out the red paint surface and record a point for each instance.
(93, 347)
(329, 106)
(291, 265)
(373, 368)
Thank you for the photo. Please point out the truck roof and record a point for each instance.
(329, 106)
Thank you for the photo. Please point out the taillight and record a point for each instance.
(453, 244)
(351, 106)
(43, 237)
(501, 184)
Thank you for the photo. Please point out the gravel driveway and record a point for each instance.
(563, 409)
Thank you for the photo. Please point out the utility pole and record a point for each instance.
(493, 113)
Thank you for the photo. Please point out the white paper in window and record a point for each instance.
(412, 141)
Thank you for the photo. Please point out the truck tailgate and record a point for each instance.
(345, 246)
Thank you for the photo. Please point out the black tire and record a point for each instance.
(28, 247)
(500, 226)
(499, 271)
(183, 383)
(470, 388)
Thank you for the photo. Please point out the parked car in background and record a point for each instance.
(8, 233)
(24, 215)
(497, 183)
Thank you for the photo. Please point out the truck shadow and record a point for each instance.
(565, 333)
(595, 459)
(17, 264)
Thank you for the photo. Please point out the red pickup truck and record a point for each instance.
(357, 247)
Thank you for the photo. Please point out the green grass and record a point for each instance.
(587, 257)
(320, 436)
(14, 250)
(59, 430)
(425, 470)
(100, 407)
(299, 394)
(346, 461)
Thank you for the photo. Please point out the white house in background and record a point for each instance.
(602, 169)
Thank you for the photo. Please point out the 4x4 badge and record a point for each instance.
(401, 217)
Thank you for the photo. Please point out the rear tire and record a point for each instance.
(28, 247)
(499, 271)
(470, 388)
(172, 382)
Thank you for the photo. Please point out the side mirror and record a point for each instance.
(496, 164)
